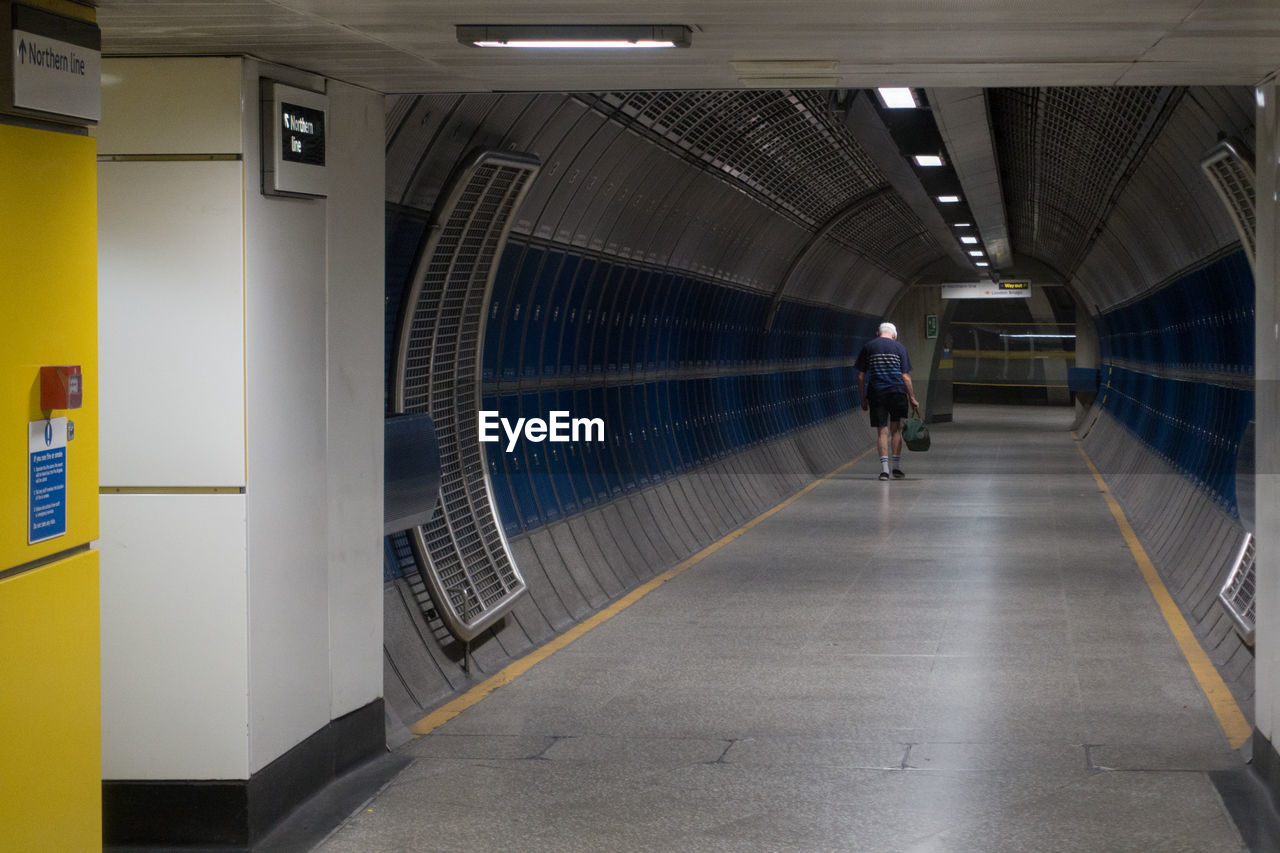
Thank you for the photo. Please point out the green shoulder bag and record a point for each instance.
(914, 433)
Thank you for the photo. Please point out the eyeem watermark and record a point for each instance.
(559, 428)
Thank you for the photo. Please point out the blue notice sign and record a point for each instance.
(47, 476)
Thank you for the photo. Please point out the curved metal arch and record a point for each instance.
(1229, 168)
(463, 552)
(856, 204)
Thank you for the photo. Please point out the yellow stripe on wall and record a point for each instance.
(171, 490)
(1007, 385)
(1013, 355)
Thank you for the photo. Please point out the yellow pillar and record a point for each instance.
(50, 729)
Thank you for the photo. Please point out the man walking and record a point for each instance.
(884, 384)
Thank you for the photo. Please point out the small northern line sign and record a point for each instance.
(51, 56)
(57, 65)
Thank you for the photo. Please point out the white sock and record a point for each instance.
(897, 462)
(884, 464)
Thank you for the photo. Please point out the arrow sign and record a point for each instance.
(52, 65)
(55, 77)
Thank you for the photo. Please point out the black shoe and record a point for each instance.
(884, 475)
(898, 474)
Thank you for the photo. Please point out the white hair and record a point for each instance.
(889, 328)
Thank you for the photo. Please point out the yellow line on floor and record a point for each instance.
(507, 674)
(1230, 717)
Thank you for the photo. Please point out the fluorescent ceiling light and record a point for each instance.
(575, 37)
(948, 199)
(928, 160)
(898, 98)
(982, 264)
(975, 254)
(574, 45)
(970, 240)
(961, 224)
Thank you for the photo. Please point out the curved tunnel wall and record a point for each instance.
(636, 286)
(1172, 298)
(1177, 396)
(679, 368)
(693, 210)
(1179, 367)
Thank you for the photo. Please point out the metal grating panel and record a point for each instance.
(1230, 170)
(1065, 154)
(785, 145)
(466, 561)
(407, 568)
(1239, 594)
(888, 233)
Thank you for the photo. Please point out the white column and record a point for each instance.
(171, 350)
(242, 417)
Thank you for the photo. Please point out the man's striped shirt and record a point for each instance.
(884, 360)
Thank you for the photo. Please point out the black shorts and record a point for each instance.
(887, 407)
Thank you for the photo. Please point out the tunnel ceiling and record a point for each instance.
(410, 47)
(1076, 96)
(793, 150)
(1072, 163)
(1064, 154)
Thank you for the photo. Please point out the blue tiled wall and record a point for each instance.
(611, 325)
(1201, 322)
(621, 335)
(555, 313)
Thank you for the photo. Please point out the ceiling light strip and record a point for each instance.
(575, 37)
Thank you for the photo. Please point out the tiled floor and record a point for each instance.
(967, 660)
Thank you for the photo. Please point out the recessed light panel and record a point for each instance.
(948, 199)
(969, 240)
(604, 44)
(574, 37)
(975, 254)
(898, 98)
(928, 160)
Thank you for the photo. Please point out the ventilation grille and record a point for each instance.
(784, 145)
(1230, 170)
(886, 232)
(789, 150)
(464, 556)
(1239, 594)
(1065, 154)
(406, 567)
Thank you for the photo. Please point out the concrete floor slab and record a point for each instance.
(967, 660)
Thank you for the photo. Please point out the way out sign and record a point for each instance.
(47, 480)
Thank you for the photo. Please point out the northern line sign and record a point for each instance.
(55, 65)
